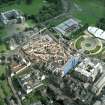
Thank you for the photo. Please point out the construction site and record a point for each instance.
(17, 63)
(44, 49)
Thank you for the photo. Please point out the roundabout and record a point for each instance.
(89, 45)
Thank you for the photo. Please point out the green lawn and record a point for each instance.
(4, 88)
(1, 94)
(2, 70)
(3, 48)
(78, 42)
(30, 23)
(28, 9)
(3, 32)
(57, 21)
(95, 50)
(88, 11)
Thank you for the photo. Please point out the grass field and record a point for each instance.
(2, 70)
(88, 11)
(3, 48)
(95, 50)
(30, 23)
(78, 42)
(4, 88)
(3, 32)
(28, 9)
(57, 21)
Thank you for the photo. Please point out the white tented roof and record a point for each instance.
(99, 33)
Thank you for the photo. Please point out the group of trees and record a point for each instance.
(79, 32)
(101, 23)
(56, 2)
(6, 1)
(28, 1)
(15, 1)
(49, 10)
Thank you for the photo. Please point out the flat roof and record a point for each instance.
(30, 80)
(63, 27)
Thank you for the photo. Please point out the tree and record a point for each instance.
(3, 77)
(28, 1)
(18, 1)
(101, 23)
(1, 101)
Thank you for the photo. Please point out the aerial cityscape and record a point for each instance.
(52, 52)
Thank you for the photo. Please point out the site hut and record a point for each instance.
(67, 26)
(11, 17)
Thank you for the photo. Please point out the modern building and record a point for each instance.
(98, 85)
(88, 70)
(11, 17)
(18, 63)
(30, 81)
(99, 33)
(67, 26)
(70, 65)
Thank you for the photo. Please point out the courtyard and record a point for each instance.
(89, 45)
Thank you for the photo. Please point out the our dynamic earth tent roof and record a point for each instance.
(99, 33)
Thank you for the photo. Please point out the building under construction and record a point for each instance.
(43, 49)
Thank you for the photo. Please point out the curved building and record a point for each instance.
(99, 33)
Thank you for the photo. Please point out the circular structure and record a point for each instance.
(103, 54)
(89, 45)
